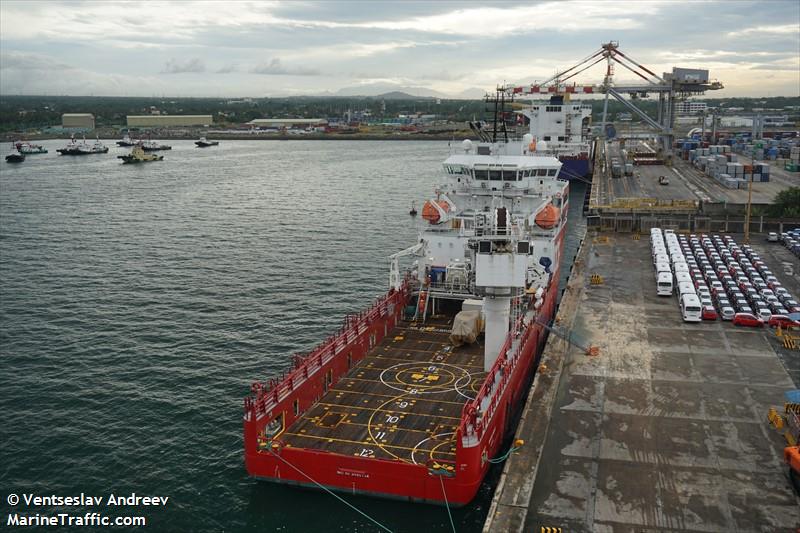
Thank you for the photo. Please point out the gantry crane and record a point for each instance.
(670, 87)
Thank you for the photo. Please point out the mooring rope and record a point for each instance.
(326, 489)
(441, 481)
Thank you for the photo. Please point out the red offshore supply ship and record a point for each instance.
(413, 398)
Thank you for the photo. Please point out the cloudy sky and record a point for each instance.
(273, 48)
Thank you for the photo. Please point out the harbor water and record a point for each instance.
(138, 303)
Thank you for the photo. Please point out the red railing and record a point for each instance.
(473, 420)
(266, 396)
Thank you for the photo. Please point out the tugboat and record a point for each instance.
(138, 155)
(415, 396)
(83, 148)
(153, 146)
(27, 148)
(126, 141)
(15, 157)
(204, 143)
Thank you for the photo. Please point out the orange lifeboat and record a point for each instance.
(431, 213)
(548, 217)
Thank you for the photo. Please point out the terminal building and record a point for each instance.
(288, 122)
(690, 108)
(77, 121)
(167, 121)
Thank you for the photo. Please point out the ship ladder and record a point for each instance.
(329, 491)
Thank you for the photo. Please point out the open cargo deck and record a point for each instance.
(402, 401)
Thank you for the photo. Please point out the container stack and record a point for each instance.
(794, 159)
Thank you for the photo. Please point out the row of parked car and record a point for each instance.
(730, 281)
(790, 239)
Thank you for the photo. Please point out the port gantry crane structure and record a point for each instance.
(670, 87)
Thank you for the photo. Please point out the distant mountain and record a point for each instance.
(398, 95)
(382, 89)
(473, 93)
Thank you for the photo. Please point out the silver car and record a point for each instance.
(726, 313)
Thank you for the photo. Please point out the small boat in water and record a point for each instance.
(138, 155)
(204, 143)
(83, 148)
(153, 146)
(27, 148)
(126, 141)
(15, 157)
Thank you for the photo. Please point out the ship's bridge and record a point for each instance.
(518, 170)
(515, 174)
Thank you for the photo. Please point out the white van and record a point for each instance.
(664, 284)
(660, 258)
(662, 266)
(685, 288)
(690, 307)
(680, 266)
(683, 277)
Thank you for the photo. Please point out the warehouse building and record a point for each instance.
(77, 121)
(287, 122)
(166, 121)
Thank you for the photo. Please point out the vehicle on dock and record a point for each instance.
(783, 321)
(663, 180)
(709, 313)
(748, 320)
(691, 308)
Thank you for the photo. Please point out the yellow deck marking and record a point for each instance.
(376, 409)
(393, 396)
(391, 428)
(360, 443)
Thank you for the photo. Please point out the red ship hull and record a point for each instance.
(485, 422)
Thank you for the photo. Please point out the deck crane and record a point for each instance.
(671, 87)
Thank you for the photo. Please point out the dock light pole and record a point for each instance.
(749, 198)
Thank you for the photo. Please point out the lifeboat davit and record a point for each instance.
(548, 217)
(433, 209)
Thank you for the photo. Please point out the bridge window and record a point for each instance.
(552, 172)
(546, 137)
(496, 175)
(542, 172)
(481, 174)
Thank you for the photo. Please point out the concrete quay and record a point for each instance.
(665, 430)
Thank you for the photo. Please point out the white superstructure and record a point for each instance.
(493, 232)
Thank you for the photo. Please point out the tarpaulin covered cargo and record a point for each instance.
(466, 328)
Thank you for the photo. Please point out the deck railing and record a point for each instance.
(266, 396)
(477, 414)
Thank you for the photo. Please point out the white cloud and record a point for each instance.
(173, 66)
(779, 29)
(276, 68)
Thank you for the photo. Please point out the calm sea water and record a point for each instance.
(138, 303)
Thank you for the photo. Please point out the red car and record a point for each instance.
(709, 313)
(747, 319)
(783, 321)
